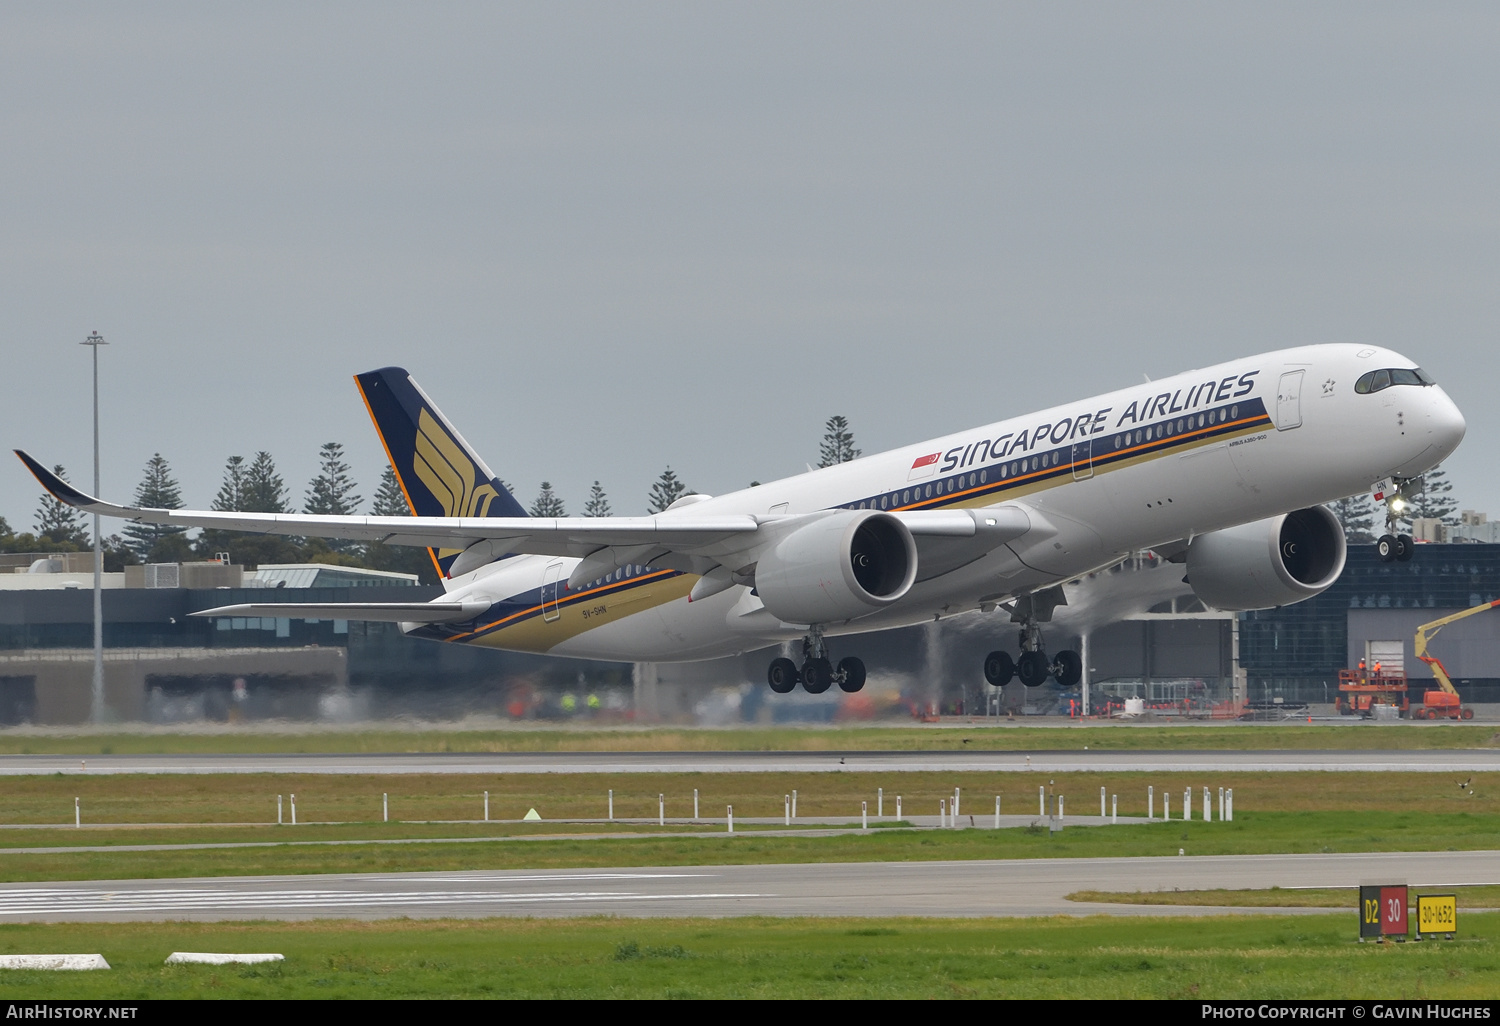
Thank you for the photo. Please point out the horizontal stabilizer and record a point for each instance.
(382, 612)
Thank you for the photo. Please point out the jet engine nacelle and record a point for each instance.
(1269, 563)
(839, 567)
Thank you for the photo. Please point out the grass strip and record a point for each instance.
(1255, 833)
(981, 735)
(198, 800)
(1231, 957)
(1280, 897)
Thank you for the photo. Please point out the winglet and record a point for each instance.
(60, 489)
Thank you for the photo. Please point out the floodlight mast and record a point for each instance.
(96, 708)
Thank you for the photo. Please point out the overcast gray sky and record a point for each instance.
(611, 237)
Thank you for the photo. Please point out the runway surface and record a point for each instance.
(1425, 761)
(1033, 887)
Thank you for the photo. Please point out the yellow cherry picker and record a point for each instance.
(1442, 704)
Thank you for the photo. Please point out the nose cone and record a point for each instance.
(1445, 422)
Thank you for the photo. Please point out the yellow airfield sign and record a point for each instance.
(1437, 913)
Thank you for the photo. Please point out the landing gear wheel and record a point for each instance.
(999, 668)
(1068, 668)
(1385, 548)
(1033, 668)
(817, 674)
(851, 674)
(782, 676)
(1404, 548)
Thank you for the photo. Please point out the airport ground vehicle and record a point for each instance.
(1362, 690)
(1444, 702)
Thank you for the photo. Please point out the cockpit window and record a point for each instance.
(1374, 381)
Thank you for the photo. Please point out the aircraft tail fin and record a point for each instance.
(439, 472)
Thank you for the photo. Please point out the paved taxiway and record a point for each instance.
(1468, 760)
(1031, 887)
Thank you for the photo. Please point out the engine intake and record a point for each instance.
(836, 568)
(1268, 563)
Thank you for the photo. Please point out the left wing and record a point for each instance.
(602, 543)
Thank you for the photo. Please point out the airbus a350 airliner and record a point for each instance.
(1223, 469)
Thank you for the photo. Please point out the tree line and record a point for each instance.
(255, 486)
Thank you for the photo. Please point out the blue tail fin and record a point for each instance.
(439, 472)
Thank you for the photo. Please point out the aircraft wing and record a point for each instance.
(386, 612)
(611, 541)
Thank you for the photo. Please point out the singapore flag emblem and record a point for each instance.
(924, 466)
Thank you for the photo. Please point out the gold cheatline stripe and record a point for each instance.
(576, 596)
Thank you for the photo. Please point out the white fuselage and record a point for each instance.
(1141, 467)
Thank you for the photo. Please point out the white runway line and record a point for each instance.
(72, 901)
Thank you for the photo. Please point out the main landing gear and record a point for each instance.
(818, 672)
(1032, 667)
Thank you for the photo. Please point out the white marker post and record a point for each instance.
(1041, 800)
(1221, 805)
(898, 806)
(730, 819)
(1150, 803)
(278, 810)
(997, 812)
(955, 806)
(787, 800)
(695, 803)
(1166, 805)
(1187, 804)
(294, 810)
(794, 803)
(1114, 808)
(486, 806)
(1059, 808)
(1229, 805)
(1208, 807)
(864, 815)
(1101, 802)
(942, 812)
(880, 803)
(611, 804)
(385, 807)
(77, 814)
(661, 810)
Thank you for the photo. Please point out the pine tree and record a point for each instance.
(389, 502)
(231, 497)
(1357, 514)
(332, 491)
(598, 505)
(1437, 499)
(547, 503)
(158, 490)
(253, 489)
(57, 520)
(265, 491)
(665, 491)
(838, 443)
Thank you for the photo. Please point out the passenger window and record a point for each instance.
(1234, 413)
(905, 497)
(929, 491)
(984, 475)
(1200, 420)
(1117, 441)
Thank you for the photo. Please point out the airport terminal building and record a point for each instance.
(163, 665)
